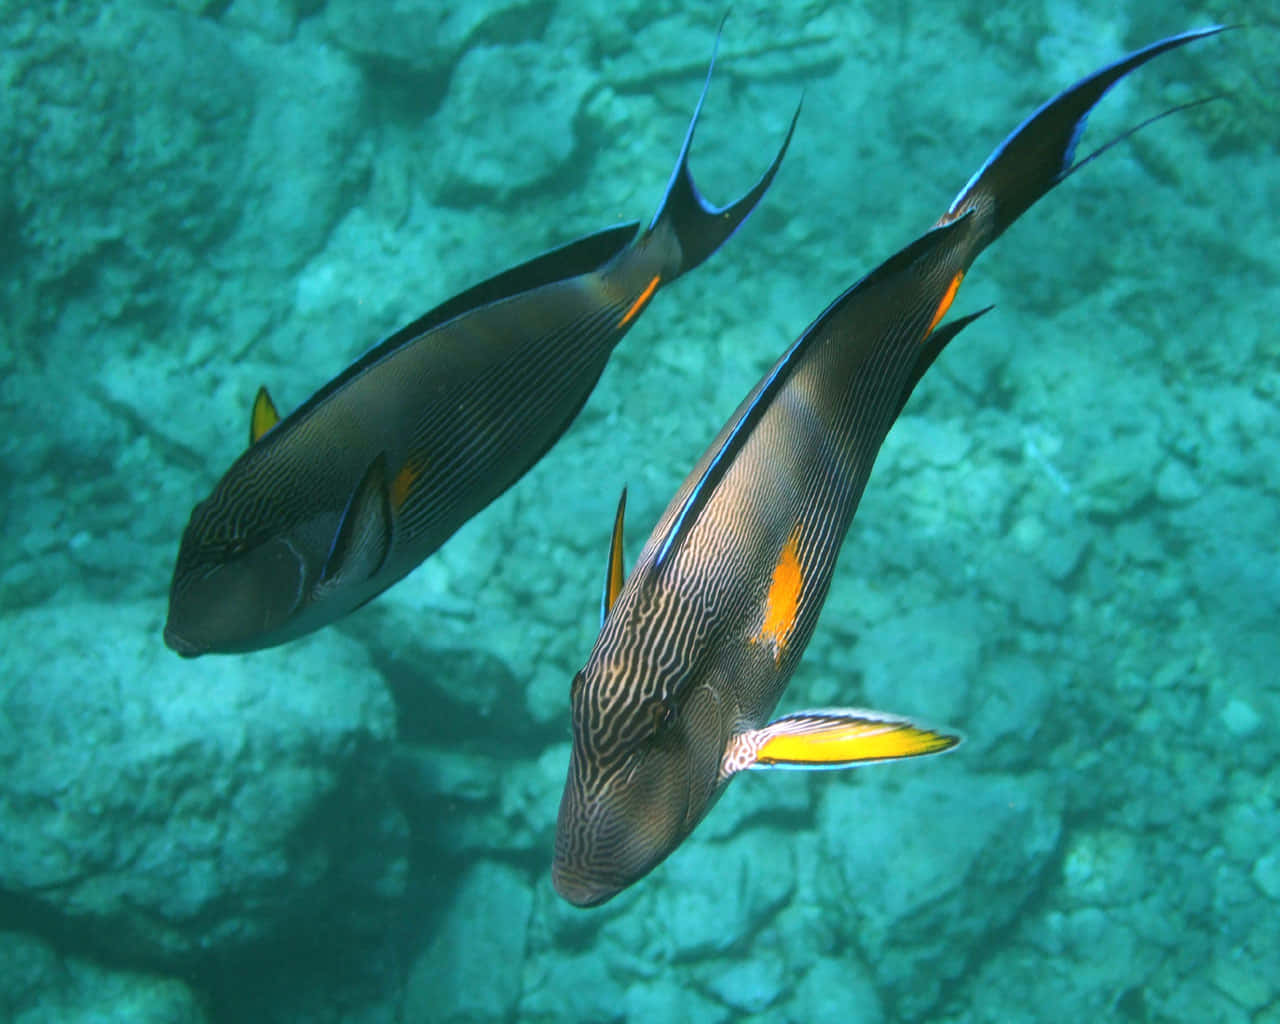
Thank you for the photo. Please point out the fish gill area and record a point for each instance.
(1067, 550)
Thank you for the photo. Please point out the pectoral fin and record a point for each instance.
(831, 739)
(264, 415)
(364, 536)
(615, 572)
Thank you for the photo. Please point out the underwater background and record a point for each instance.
(1067, 551)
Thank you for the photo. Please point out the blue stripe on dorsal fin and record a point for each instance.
(581, 256)
(777, 378)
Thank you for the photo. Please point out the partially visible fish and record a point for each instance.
(697, 646)
(335, 503)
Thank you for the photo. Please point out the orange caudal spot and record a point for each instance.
(947, 299)
(640, 303)
(783, 601)
(402, 483)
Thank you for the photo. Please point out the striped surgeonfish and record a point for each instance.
(697, 645)
(352, 491)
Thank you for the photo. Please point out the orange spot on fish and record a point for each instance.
(402, 483)
(640, 303)
(782, 604)
(947, 299)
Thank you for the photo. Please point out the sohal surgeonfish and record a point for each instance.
(336, 502)
(698, 644)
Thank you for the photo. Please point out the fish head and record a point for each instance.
(230, 591)
(644, 770)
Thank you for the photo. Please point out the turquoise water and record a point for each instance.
(1067, 550)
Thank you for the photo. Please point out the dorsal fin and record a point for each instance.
(769, 388)
(615, 571)
(263, 417)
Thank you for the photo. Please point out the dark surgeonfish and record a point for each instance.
(698, 644)
(335, 503)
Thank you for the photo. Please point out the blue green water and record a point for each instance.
(1067, 550)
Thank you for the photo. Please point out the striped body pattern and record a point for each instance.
(700, 643)
(460, 415)
(699, 649)
(341, 499)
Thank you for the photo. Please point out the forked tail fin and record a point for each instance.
(699, 227)
(1040, 152)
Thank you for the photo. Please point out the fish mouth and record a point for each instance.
(579, 891)
(175, 641)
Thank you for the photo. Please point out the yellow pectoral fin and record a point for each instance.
(263, 417)
(842, 739)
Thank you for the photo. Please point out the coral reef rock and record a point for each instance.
(170, 810)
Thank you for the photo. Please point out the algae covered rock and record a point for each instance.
(168, 810)
(507, 122)
(422, 37)
(149, 152)
(40, 986)
(470, 969)
(925, 661)
(929, 867)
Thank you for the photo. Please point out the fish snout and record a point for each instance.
(175, 641)
(237, 604)
(578, 890)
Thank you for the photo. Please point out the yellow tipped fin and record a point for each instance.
(615, 573)
(832, 739)
(264, 415)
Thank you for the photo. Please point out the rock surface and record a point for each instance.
(40, 986)
(928, 868)
(471, 969)
(1066, 549)
(169, 810)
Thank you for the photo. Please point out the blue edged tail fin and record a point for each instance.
(699, 227)
(1040, 152)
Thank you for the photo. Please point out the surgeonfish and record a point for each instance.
(339, 500)
(699, 642)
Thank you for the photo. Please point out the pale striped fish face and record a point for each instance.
(649, 731)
